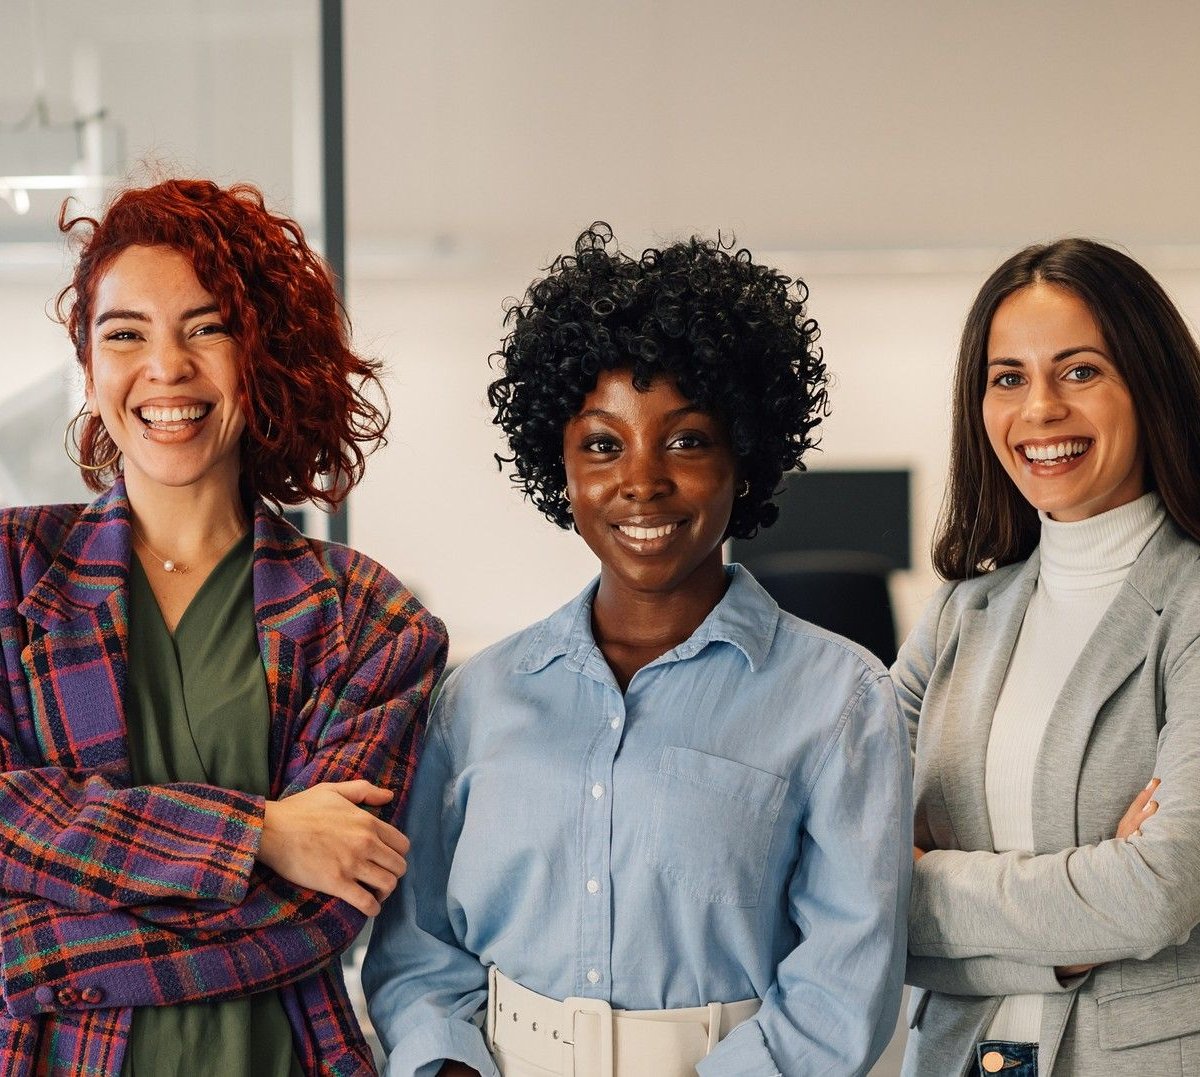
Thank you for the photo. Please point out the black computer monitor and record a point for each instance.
(851, 511)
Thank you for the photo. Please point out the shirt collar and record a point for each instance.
(746, 617)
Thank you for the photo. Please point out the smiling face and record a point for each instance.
(163, 373)
(651, 480)
(1057, 412)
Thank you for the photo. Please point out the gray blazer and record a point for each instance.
(986, 924)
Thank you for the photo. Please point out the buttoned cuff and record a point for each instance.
(743, 1053)
(422, 1052)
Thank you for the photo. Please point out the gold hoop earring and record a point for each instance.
(69, 439)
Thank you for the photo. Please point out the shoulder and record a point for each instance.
(954, 598)
(1167, 576)
(801, 642)
(523, 666)
(839, 685)
(32, 535)
(372, 602)
(494, 669)
(47, 525)
(369, 592)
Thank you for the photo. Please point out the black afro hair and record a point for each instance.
(733, 335)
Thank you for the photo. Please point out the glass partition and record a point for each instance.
(96, 95)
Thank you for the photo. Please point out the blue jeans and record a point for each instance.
(1006, 1058)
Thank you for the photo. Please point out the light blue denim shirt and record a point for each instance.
(737, 824)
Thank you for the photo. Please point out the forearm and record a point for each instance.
(88, 845)
(1093, 904)
(132, 962)
(983, 976)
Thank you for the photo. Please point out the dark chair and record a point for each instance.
(845, 592)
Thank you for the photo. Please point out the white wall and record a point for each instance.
(435, 508)
(889, 154)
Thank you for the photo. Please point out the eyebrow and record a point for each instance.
(1058, 357)
(138, 316)
(678, 413)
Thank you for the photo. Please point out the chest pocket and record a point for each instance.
(711, 825)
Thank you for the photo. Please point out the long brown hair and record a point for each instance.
(985, 523)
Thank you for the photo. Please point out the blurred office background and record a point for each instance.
(890, 154)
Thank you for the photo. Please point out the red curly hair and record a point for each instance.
(309, 426)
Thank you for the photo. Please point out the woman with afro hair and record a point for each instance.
(667, 829)
(196, 701)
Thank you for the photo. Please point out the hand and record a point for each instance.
(1065, 972)
(917, 854)
(1139, 811)
(321, 839)
(457, 1069)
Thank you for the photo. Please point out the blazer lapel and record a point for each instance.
(1116, 649)
(76, 666)
(301, 635)
(987, 637)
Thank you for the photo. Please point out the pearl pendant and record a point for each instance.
(168, 566)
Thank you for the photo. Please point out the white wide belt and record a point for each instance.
(530, 1034)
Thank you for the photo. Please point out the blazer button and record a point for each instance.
(44, 995)
(67, 996)
(91, 995)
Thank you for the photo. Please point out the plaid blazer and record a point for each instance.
(114, 896)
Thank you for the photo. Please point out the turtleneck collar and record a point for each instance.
(1100, 550)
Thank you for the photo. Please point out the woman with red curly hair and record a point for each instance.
(196, 701)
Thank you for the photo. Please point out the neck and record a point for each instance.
(189, 523)
(655, 621)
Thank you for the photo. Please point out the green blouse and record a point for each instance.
(197, 711)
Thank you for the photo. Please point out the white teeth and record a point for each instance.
(646, 532)
(173, 415)
(1054, 453)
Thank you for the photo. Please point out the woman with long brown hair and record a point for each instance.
(1052, 686)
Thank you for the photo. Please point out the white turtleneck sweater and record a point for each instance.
(1083, 565)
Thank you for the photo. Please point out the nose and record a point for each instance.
(644, 475)
(169, 362)
(1043, 403)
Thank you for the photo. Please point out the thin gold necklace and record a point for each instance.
(171, 565)
(168, 565)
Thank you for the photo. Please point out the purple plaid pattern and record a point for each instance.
(114, 896)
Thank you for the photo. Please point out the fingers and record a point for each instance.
(361, 791)
(390, 861)
(1143, 798)
(392, 838)
(360, 897)
(1148, 811)
(1141, 809)
(380, 881)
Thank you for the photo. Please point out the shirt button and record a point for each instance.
(91, 995)
(593, 887)
(597, 790)
(44, 995)
(593, 976)
(66, 996)
(614, 722)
